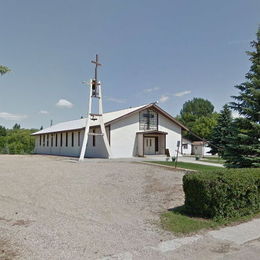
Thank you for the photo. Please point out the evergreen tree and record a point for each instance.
(16, 126)
(243, 149)
(221, 131)
(2, 131)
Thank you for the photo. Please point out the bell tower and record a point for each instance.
(94, 93)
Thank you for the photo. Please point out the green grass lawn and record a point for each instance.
(212, 160)
(179, 222)
(185, 165)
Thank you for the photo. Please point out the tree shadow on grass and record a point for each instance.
(182, 211)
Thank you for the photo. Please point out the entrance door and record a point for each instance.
(149, 145)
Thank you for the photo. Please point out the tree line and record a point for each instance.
(16, 140)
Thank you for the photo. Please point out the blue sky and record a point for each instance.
(163, 50)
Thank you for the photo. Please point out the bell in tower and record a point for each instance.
(94, 88)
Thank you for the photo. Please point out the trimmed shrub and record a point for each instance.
(223, 193)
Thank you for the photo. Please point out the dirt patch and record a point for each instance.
(21, 222)
(7, 252)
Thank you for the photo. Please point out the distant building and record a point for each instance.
(186, 147)
(200, 148)
(137, 131)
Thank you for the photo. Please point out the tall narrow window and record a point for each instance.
(66, 139)
(61, 139)
(40, 140)
(94, 138)
(156, 144)
(47, 140)
(78, 138)
(43, 140)
(148, 120)
(56, 139)
(72, 139)
(51, 140)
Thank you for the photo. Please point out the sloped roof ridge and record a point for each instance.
(130, 108)
(79, 123)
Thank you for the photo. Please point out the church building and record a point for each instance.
(137, 131)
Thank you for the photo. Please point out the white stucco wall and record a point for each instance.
(207, 149)
(99, 150)
(60, 150)
(124, 138)
(188, 150)
(174, 133)
(92, 151)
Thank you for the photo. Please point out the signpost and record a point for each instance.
(178, 147)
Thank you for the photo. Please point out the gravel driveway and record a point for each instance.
(56, 208)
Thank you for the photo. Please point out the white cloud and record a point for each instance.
(180, 94)
(148, 90)
(235, 114)
(163, 98)
(115, 100)
(64, 103)
(44, 112)
(12, 117)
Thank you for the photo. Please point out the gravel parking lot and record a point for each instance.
(56, 208)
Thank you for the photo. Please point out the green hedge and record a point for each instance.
(223, 193)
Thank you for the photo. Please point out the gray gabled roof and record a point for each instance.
(108, 118)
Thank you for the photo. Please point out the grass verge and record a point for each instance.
(177, 221)
(212, 160)
(185, 165)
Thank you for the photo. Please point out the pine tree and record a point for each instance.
(221, 131)
(243, 149)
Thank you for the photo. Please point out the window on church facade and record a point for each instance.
(43, 140)
(148, 120)
(94, 138)
(72, 139)
(66, 139)
(40, 140)
(51, 140)
(47, 140)
(78, 138)
(61, 139)
(56, 139)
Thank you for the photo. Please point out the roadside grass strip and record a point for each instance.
(179, 222)
(186, 165)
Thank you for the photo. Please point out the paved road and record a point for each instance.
(193, 160)
(56, 208)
